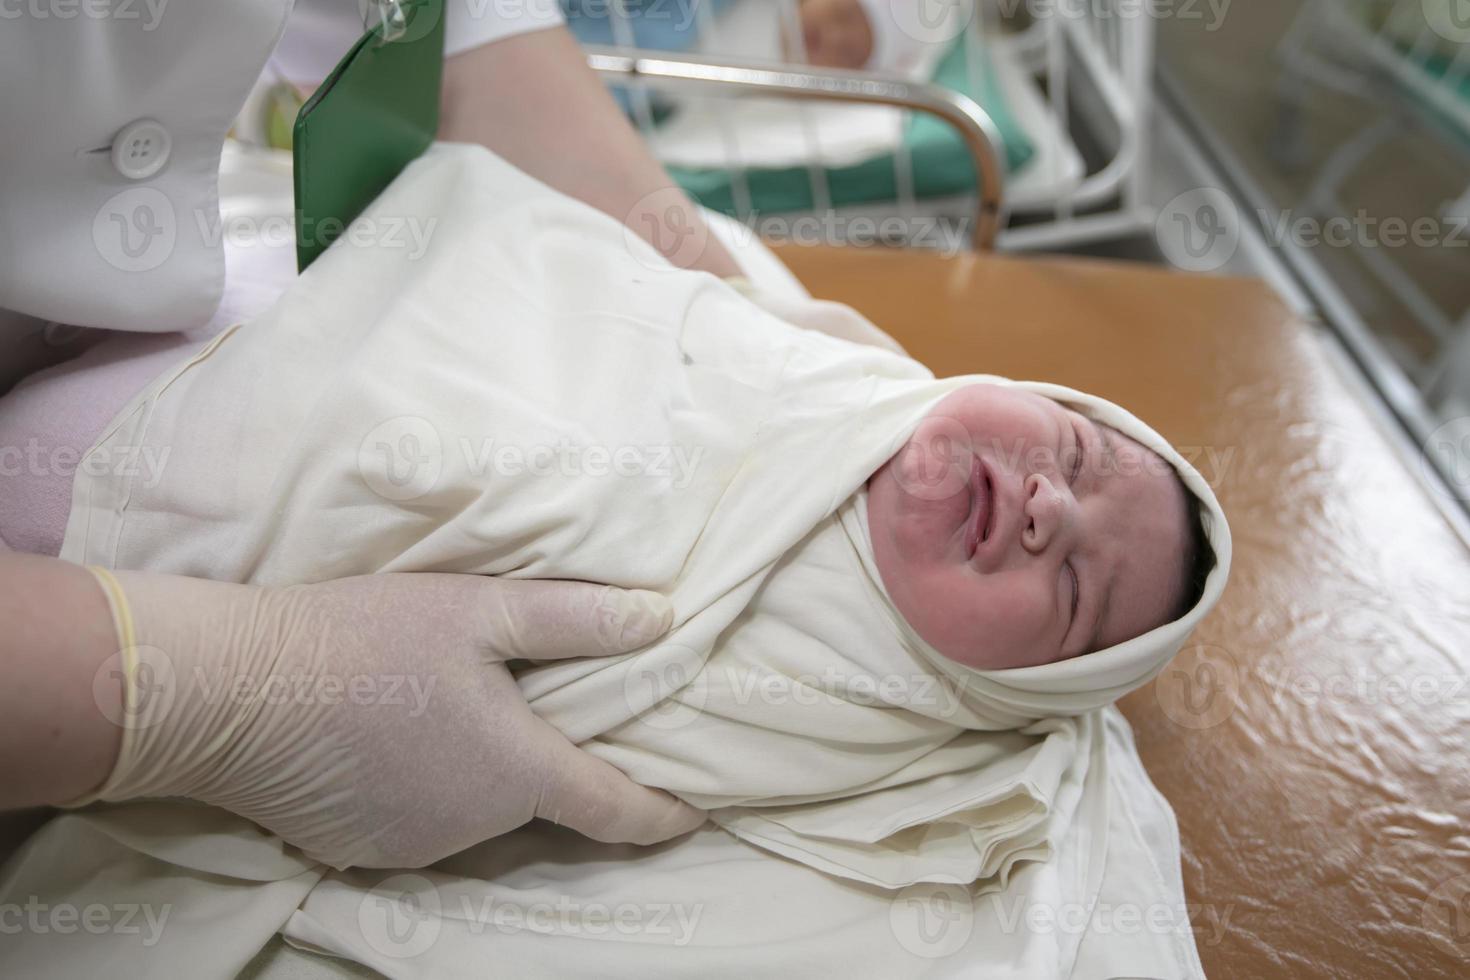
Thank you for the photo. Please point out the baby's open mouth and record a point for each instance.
(982, 510)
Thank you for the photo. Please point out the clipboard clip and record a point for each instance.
(391, 22)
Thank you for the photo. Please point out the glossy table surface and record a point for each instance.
(1313, 736)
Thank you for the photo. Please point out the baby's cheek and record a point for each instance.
(1017, 616)
(990, 622)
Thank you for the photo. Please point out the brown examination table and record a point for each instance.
(1313, 736)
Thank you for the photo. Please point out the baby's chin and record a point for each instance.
(978, 658)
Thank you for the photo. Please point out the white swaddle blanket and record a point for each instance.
(553, 400)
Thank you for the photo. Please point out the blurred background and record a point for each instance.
(1343, 127)
(1360, 110)
(1319, 144)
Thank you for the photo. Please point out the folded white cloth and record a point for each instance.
(545, 903)
(536, 393)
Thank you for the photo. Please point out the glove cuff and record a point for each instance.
(122, 622)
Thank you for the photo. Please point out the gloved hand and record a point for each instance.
(371, 721)
(824, 316)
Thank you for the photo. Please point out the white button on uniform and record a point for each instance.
(141, 149)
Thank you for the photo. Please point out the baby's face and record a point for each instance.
(1011, 531)
(836, 33)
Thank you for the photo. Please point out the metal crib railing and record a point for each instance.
(1085, 65)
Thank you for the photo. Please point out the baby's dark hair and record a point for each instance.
(1199, 557)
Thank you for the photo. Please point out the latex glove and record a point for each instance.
(371, 721)
(824, 316)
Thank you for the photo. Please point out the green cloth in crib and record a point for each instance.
(1437, 67)
(941, 163)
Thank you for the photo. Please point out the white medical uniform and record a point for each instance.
(321, 31)
(109, 184)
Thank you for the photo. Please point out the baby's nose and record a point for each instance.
(1045, 512)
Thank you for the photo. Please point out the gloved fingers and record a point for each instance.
(549, 620)
(595, 799)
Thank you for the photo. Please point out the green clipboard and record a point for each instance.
(377, 111)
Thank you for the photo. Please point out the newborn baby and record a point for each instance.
(900, 601)
(839, 33)
(877, 35)
(1011, 530)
